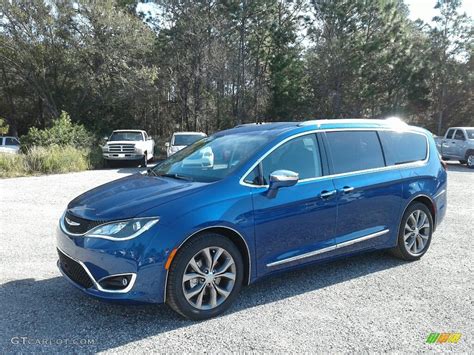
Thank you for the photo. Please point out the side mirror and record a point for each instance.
(106, 139)
(279, 179)
(167, 144)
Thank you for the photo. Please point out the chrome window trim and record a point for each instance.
(202, 230)
(328, 249)
(96, 283)
(358, 172)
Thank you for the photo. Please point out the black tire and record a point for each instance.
(144, 161)
(470, 159)
(175, 297)
(401, 251)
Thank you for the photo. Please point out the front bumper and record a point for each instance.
(122, 156)
(94, 260)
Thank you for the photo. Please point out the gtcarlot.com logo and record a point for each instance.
(51, 341)
(440, 338)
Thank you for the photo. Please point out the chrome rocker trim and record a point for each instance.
(96, 283)
(331, 248)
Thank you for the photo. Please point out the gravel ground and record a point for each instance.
(371, 302)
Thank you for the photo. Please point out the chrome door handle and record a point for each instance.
(326, 194)
(347, 189)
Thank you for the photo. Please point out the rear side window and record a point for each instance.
(403, 147)
(355, 150)
(450, 134)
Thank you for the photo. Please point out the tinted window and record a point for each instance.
(459, 135)
(450, 134)
(354, 150)
(11, 141)
(403, 147)
(300, 155)
(470, 133)
(186, 139)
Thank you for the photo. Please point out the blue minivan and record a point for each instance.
(253, 201)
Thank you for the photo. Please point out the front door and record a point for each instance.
(299, 221)
(458, 144)
(448, 144)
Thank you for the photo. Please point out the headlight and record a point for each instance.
(123, 230)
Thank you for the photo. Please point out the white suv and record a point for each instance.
(180, 140)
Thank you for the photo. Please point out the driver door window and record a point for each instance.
(300, 155)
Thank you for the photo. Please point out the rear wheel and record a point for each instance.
(414, 236)
(470, 160)
(205, 277)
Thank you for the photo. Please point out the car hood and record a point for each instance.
(121, 142)
(129, 196)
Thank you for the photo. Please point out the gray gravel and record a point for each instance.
(371, 302)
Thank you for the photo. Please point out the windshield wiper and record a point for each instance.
(151, 172)
(176, 176)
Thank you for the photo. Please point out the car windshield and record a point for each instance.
(126, 136)
(211, 159)
(186, 139)
(470, 133)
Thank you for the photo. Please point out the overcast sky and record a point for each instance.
(424, 9)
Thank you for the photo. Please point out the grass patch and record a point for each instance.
(45, 160)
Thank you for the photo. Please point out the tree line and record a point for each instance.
(207, 65)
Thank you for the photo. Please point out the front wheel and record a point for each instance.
(414, 236)
(144, 161)
(205, 277)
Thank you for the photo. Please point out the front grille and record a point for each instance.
(74, 270)
(121, 148)
(83, 226)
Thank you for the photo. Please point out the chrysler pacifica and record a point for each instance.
(193, 230)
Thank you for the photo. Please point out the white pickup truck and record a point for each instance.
(128, 144)
(458, 144)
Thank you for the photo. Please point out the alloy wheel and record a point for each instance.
(209, 278)
(417, 232)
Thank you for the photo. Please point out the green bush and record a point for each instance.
(12, 165)
(44, 160)
(63, 132)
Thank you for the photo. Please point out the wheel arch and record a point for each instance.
(235, 237)
(427, 201)
(468, 152)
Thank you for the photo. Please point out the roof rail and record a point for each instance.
(250, 124)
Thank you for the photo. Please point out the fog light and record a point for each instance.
(115, 283)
